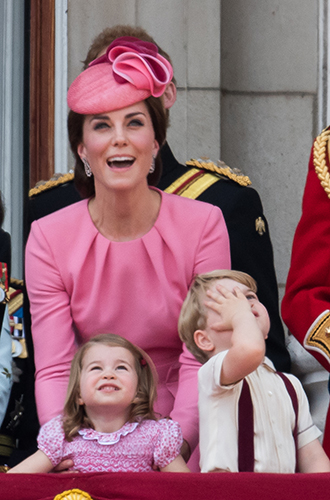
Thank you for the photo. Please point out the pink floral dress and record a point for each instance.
(136, 447)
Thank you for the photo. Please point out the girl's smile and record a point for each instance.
(108, 383)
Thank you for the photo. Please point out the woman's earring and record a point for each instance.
(88, 170)
(152, 168)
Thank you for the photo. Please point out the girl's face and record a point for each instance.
(108, 381)
(119, 147)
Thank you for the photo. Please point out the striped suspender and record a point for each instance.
(246, 427)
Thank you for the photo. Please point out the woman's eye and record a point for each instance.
(136, 123)
(101, 125)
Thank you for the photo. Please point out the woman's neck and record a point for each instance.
(125, 216)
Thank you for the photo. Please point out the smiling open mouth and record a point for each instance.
(108, 388)
(120, 161)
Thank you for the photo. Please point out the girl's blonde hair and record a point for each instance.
(75, 416)
(193, 315)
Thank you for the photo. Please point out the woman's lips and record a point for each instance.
(120, 161)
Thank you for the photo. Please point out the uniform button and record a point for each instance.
(270, 393)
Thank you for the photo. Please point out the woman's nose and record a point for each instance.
(119, 137)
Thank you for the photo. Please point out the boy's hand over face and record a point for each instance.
(232, 308)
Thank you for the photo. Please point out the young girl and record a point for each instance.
(108, 423)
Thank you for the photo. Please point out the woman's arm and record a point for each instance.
(38, 462)
(52, 332)
(213, 252)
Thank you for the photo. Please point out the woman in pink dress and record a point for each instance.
(121, 260)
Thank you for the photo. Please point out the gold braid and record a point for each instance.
(320, 160)
(56, 180)
(222, 169)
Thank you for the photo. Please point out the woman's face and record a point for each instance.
(119, 146)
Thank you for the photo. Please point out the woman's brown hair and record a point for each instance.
(84, 184)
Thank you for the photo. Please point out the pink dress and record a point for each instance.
(134, 448)
(81, 284)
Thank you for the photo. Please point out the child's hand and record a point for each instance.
(240, 324)
(231, 307)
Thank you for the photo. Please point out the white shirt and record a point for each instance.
(274, 419)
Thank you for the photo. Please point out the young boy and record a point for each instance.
(251, 419)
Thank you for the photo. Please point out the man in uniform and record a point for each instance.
(306, 304)
(251, 248)
(5, 340)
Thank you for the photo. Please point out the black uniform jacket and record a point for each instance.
(250, 252)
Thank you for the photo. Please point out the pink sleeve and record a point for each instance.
(169, 442)
(213, 253)
(51, 439)
(52, 332)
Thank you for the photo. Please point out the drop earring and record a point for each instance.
(152, 167)
(88, 170)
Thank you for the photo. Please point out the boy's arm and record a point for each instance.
(177, 465)
(38, 462)
(247, 348)
(312, 458)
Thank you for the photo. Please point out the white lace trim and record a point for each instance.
(104, 438)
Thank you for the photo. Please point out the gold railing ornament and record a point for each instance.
(74, 494)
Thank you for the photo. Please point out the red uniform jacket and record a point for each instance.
(306, 304)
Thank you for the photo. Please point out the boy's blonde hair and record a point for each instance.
(193, 315)
(75, 416)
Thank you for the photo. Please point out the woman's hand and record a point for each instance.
(64, 466)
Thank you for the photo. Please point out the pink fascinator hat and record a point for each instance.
(130, 71)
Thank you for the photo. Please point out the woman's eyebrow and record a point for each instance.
(99, 117)
(130, 115)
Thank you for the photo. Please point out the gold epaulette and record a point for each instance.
(320, 159)
(318, 337)
(54, 181)
(220, 169)
(16, 282)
